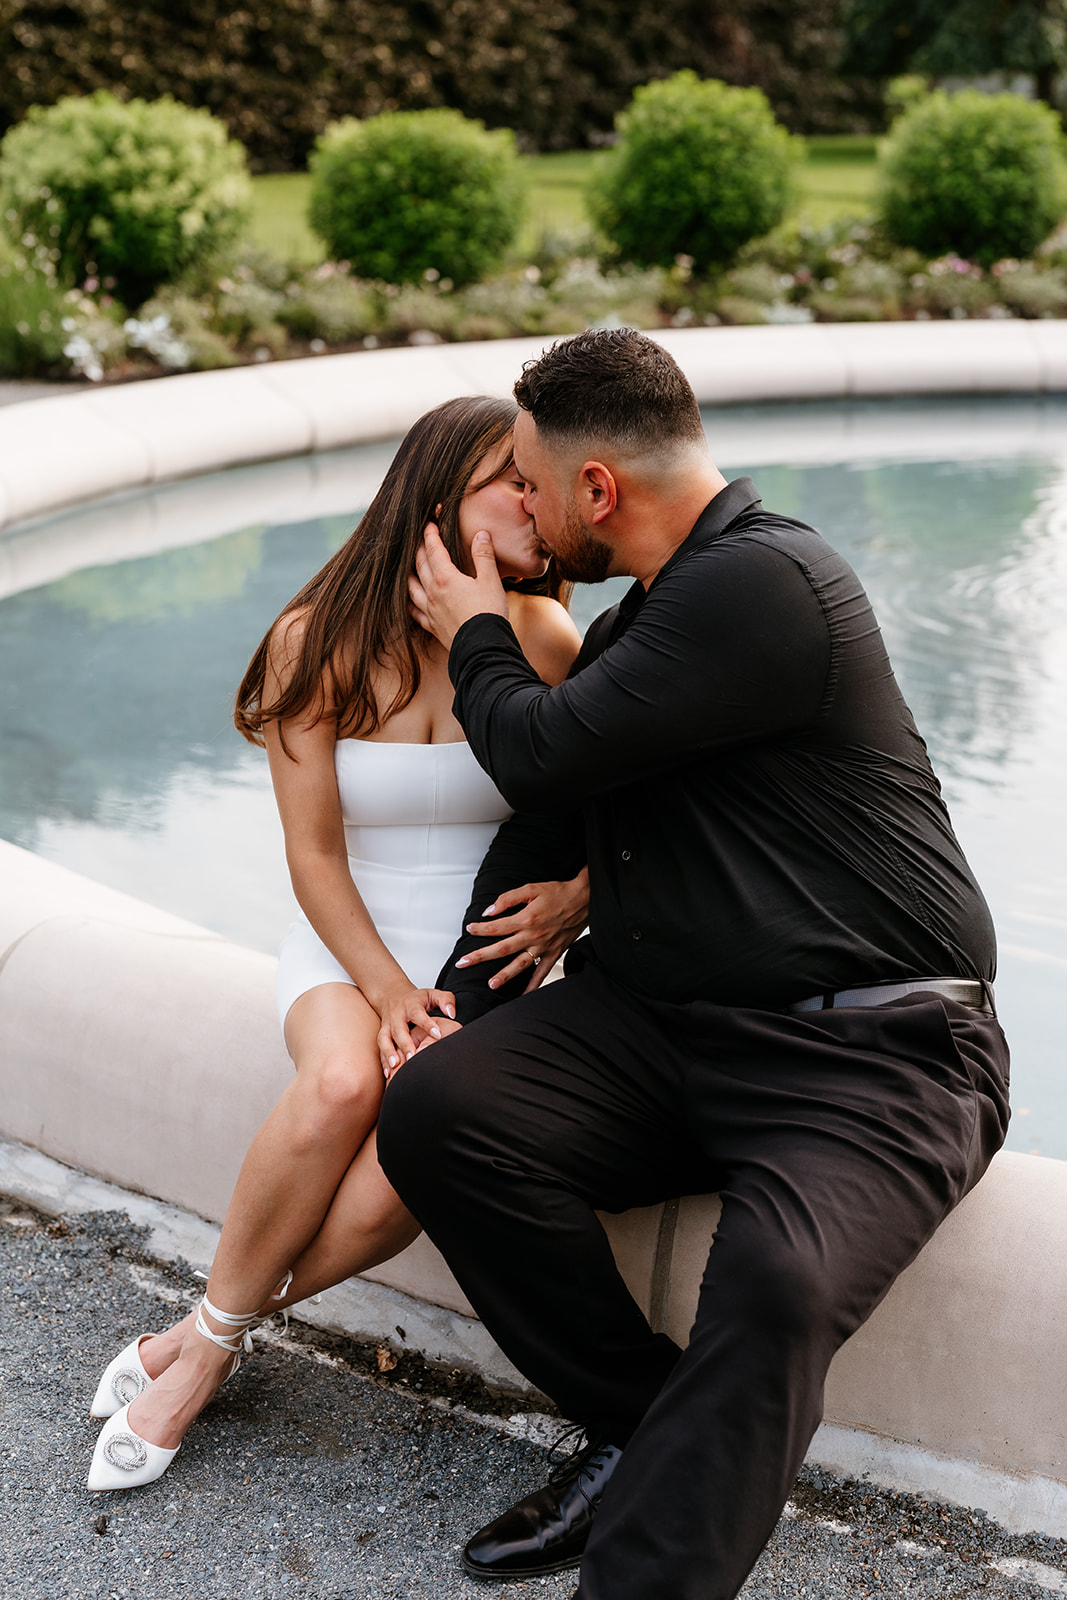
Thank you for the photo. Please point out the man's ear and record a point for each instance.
(598, 489)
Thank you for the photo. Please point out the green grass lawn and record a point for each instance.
(836, 179)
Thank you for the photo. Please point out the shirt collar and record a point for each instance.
(717, 516)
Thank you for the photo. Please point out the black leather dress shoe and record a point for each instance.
(547, 1531)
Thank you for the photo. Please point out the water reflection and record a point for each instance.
(118, 758)
(962, 562)
(133, 668)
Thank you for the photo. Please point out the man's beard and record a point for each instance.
(580, 556)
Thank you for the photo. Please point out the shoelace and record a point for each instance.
(568, 1462)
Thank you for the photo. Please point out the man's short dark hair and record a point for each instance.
(614, 385)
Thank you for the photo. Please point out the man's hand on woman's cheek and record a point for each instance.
(442, 597)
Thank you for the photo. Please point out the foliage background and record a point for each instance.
(557, 71)
(961, 38)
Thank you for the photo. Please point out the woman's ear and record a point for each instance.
(437, 509)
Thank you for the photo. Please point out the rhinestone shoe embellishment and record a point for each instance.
(127, 1385)
(126, 1451)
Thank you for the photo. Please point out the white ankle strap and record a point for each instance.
(241, 1323)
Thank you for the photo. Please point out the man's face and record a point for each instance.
(580, 555)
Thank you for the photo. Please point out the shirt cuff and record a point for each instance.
(487, 628)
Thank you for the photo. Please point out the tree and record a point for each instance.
(958, 38)
(556, 71)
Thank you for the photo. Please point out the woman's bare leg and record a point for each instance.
(296, 1164)
(366, 1225)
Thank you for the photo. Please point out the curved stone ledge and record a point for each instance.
(145, 1050)
(60, 452)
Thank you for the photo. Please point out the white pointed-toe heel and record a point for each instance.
(122, 1381)
(125, 1378)
(123, 1460)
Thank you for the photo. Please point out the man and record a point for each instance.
(784, 996)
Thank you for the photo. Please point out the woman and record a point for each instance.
(386, 817)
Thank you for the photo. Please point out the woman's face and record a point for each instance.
(497, 508)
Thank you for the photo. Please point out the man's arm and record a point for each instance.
(730, 647)
(528, 848)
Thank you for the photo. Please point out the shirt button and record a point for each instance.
(626, 855)
(635, 933)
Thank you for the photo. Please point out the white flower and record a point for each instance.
(83, 358)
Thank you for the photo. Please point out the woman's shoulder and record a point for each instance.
(288, 642)
(286, 638)
(547, 634)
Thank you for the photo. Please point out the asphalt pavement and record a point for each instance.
(316, 1474)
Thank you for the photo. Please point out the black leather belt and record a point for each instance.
(965, 991)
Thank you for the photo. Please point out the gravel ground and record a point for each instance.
(314, 1476)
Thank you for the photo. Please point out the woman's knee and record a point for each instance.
(335, 1096)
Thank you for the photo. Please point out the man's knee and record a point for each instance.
(785, 1295)
(423, 1102)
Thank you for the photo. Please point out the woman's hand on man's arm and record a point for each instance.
(546, 918)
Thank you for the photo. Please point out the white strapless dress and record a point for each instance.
(418, 820)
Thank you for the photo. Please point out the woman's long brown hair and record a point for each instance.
(355, 609)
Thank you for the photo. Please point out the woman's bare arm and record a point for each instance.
(305, 787)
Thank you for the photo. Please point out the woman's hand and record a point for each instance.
(551, 916)
(407, 1023)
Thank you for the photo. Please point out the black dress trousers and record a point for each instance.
(838, 1141)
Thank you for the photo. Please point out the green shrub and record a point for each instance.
(131, 194)
(1031, 291)
(833, 306)
(246, 314)
(327, 304)
(419, 313)
(738, 311)
(979, 174)
(951, 287)
(411, 194)
(31, 322)
(94, 338)
(758, 281)
(175, 330)
(700, 170)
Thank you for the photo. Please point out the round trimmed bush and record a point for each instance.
(983, 175)
(410, 193)
(700, 169)
(130, 192)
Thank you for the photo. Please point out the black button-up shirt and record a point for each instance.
(733, 757)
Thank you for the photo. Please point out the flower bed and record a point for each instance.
(255, 308)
